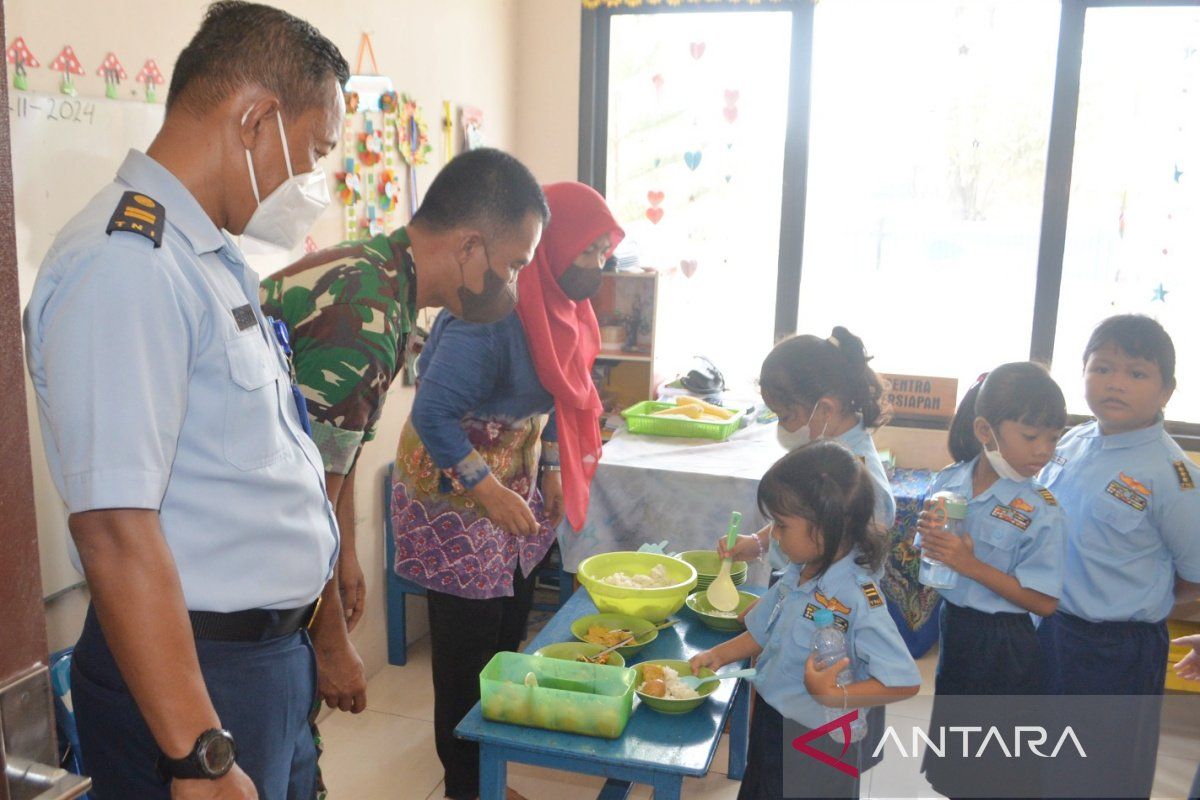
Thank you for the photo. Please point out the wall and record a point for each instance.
(459, 50)
(547, 92)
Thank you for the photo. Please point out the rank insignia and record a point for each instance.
(1127, 496)
(1184, 475)
(1047, 496)
(869, 590)
(137, 213)
(832, 603)
(1012, 516)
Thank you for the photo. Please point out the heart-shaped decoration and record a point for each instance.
(654, 214)
(688, 267)
(655, 198)
(731, 96)
(697, 49)
(657, 161)
(730, 114)
(657, 80)
(728, 178)
(692, 159)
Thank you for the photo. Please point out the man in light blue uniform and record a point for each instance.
(196, 497)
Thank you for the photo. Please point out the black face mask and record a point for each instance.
(580, 284)
(494, 303)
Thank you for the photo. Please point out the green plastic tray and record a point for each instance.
(600, 705)
(638, 418)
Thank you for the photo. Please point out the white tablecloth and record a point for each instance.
(650, 488)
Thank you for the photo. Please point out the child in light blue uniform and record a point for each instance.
(821, 502)
(1009, 563)
(1133, 543)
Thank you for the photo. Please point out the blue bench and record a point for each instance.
(397, 589)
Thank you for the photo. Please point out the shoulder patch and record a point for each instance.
(137, 213)
(871, 592)
(1021, 505)
(1047, 496)
(1184, 475)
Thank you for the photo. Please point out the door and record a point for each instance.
(27, 740)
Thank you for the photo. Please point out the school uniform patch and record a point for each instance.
(1047, 496)
(869, 590)
(1135, 484)
(1184, 475)
(1012, 516)
(841, 623)
(833, 604)
(1021, 505)
(1127, 495)
(139, 214)
(1057, 459)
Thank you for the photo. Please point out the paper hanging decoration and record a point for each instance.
(68, 64)
(1160, 294)
(370, 146)
(472, 127)
(349, 187)
(697, 49)
(22, 59)
(731, 111)
(113, 73)
(151, 78)
(692, 159)
(655, 213)
(412, 136)
(368, 86)
(389, 190)
(447, 133)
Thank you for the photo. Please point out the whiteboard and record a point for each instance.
(64, 150)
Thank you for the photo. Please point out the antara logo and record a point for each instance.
(842, 723)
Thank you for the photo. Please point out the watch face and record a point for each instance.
(217, 753)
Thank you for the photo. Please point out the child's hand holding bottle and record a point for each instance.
(822, 684)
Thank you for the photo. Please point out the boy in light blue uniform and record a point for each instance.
(1133, 545)
(821, 502)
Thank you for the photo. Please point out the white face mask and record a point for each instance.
(794, 440)
(1000, 463)
(285, 215)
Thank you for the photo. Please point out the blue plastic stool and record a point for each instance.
(68, 735)
(397, 589)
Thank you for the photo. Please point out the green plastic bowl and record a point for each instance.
(698, 602)
(664, 705)
(571, 651)
(646, 631)
(654, 605)
(708, 564)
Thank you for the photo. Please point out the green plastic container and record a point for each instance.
(654, 605)
(646, 631)
(708, 564)
(665, 705)
(639, 420)
(600, 707)
(570, 651)
(698, 603)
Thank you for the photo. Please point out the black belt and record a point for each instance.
(252, 625)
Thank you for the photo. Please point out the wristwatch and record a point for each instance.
(212, 757)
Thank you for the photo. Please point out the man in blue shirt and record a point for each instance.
(196, 498)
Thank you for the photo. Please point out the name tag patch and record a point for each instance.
(1012, 516)
(244, 317)
(1127, 495)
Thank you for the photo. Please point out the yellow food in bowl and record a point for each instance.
(598, 634)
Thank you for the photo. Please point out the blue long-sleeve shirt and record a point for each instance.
(482, 372)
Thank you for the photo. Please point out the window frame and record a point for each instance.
(593, 134)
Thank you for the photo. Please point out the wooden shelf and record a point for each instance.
(617, 355)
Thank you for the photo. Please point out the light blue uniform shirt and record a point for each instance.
(782, 623)
(860, 443)
(1015, 528)
(154, 395)
(1133, 522)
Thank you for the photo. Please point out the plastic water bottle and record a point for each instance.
(829, 647)
(949, 511)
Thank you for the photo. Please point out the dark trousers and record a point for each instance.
(466, 634)
(764, 778)
(262, 691)
(1124, 664)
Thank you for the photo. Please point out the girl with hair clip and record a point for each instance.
(821, 501)
(822, 388)
(1010, 564)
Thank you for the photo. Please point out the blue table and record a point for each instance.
(659, 750)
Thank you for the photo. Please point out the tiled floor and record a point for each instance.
(387, 752)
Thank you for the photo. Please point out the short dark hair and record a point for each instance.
(485, 188)
(1138, 336)
(1018, 392)
(827, 485)
(247, 43)
(803, 369)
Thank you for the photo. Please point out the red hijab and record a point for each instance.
(564, 337)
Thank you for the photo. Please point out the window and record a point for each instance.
(696, 122)
(962, 182)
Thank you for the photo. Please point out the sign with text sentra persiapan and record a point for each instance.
(921, 396)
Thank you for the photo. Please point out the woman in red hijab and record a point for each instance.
(502, 442)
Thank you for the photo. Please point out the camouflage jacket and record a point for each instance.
(349, 310)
